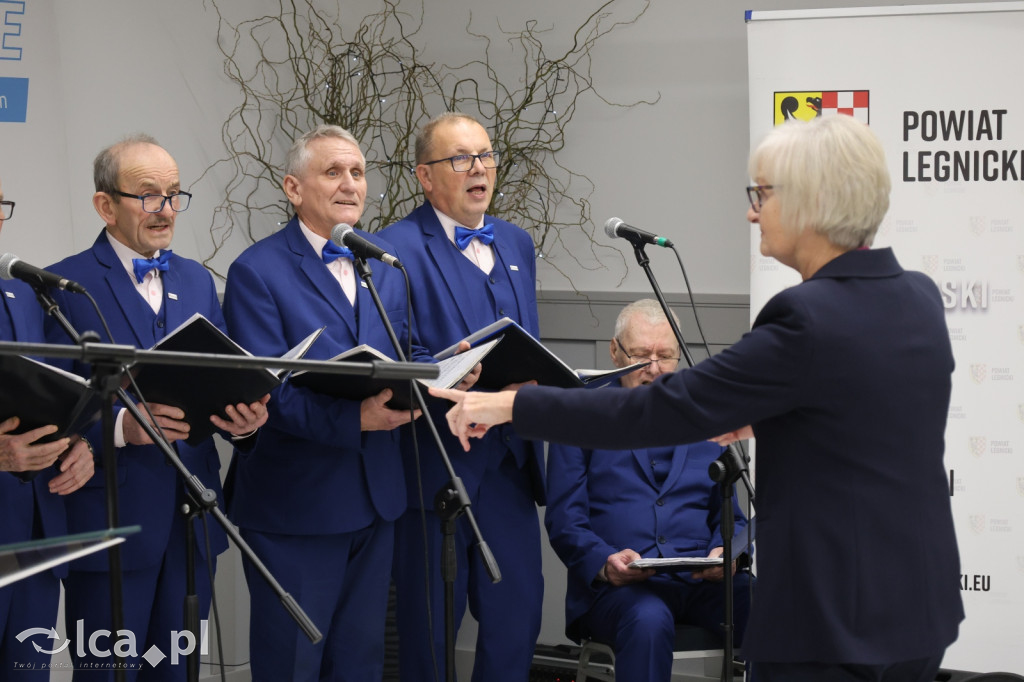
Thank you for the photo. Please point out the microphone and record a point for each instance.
(344, 235)
(617, 228)
(12, 267)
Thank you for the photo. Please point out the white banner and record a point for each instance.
(941, 86)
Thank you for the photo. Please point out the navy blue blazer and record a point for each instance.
(147, 486)
(603, 501)
(446, 310)
(23, 322)
(846, 380)
(313, 471)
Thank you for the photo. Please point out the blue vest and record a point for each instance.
(498, 286)
(160, 329)
(500, 296)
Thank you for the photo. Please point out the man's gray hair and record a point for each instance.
(106, 168)
(647, 308)
(298, 154)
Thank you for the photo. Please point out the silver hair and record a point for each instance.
(829, 174)
(298, 154)
(647, 308)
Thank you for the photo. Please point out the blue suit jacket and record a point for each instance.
(313, 471)
(147, 485)
(846, 380)
(446, 310)
(603, 501)
(18, 497)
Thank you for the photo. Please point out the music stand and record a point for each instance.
(19, 560)
(117, 358)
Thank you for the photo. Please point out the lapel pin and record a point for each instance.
(173, 297)
(514, 267)
(10, 294)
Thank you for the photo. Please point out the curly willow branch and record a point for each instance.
(300, 67)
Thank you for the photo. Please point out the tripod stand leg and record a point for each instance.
(191, 607)
(448, 507)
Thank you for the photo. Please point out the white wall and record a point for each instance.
(676, 168)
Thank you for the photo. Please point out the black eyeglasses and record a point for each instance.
(756, 195)
(7, 208)
(154, 203)
(667, 364)
(463, 163)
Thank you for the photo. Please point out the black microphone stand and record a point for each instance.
(191, 510)
(729, 467)
(450, 502)
(725, 471)
(106, 379)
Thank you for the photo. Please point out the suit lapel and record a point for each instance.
(320, 278)
(678, 461)
(643, 461)
(12, 312)
(135, 311)
(176, 293)
(445, 254)
(510, 259)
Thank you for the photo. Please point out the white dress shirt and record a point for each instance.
(341, 268)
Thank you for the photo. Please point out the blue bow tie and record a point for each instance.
(332, 252)
(143, 265)
(463, 235)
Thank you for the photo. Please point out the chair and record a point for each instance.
(697, 655)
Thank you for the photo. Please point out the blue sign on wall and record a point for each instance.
(13, 91)
(10, 39)
(13, 99)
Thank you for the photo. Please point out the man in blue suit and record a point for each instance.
(35, 475)
(144, 291)
(318, 495)
(468, 270)
(608, 508)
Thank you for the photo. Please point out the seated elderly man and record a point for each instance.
(607, 508)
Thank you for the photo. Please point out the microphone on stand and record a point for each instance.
(345, 235)
(616, 227)
(12, 267)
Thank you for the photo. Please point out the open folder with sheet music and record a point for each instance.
(740, 545)
(204, 391)
(520, 357)
(22, 559)
(451, 371)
